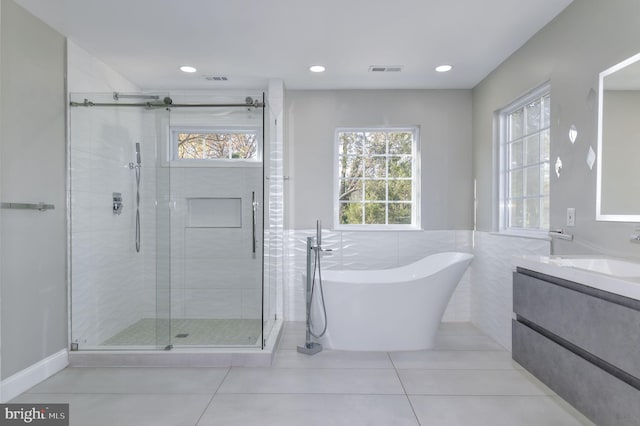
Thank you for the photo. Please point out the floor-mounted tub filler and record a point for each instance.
(313, 280)
(395, 309)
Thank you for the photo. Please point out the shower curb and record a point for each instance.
(182, 357)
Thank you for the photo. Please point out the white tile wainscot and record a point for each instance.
(491, 289)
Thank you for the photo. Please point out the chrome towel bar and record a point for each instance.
(28, 206)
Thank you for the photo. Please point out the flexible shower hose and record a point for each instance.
(316, 266)
(138, 208)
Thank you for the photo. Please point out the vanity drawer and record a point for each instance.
(604, 399)
(600, 327)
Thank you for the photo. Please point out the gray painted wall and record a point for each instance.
(32, 154)
(444, 117)
(1, 194)
(586, 38)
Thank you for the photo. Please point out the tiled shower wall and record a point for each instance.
(214, 274)
(373, 250)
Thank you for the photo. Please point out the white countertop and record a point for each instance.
(604, 273)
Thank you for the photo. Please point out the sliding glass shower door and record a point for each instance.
(119, 243)
(166, 233)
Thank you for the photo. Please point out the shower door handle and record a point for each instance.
(254, 208)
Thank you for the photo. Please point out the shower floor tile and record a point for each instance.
(189, 332)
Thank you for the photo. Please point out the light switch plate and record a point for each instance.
(571, 216)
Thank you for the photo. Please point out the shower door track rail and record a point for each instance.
(164, 104)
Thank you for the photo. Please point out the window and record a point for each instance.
(524, 152)
(377, 178)
(215, 144)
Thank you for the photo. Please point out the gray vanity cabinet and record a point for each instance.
(582, 342)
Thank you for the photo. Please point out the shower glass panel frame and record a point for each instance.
(157, 299)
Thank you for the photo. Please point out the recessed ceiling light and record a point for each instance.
(186, 68)
(444, 68)
(316, 68)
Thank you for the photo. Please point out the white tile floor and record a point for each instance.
(466, 380)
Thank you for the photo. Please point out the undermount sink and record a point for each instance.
(607, 266)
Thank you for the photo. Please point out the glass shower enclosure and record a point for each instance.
(167, 235)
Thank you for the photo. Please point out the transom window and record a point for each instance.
(377, 178)
(215, 144)
(525, 144)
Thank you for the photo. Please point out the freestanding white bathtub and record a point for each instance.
(390, 309)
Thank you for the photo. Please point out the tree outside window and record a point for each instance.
(226, 145)
(377, 177)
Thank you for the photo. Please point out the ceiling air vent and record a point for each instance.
(215, 78)
(385, 68)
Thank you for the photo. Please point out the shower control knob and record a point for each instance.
(117, 203)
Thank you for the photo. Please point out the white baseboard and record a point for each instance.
(32, 375)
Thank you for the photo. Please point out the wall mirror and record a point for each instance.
(618, 160)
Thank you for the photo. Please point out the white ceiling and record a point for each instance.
(251, 41)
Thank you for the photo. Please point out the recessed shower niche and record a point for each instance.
(214, 212)
(200, 279)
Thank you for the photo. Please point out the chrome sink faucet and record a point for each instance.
(558, 234)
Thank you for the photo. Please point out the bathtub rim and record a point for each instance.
(399, 274)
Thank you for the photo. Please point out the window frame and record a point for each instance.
(415, 179)
(215, 162)
(502, 141)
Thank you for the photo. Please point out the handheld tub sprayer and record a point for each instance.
(314, 249)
